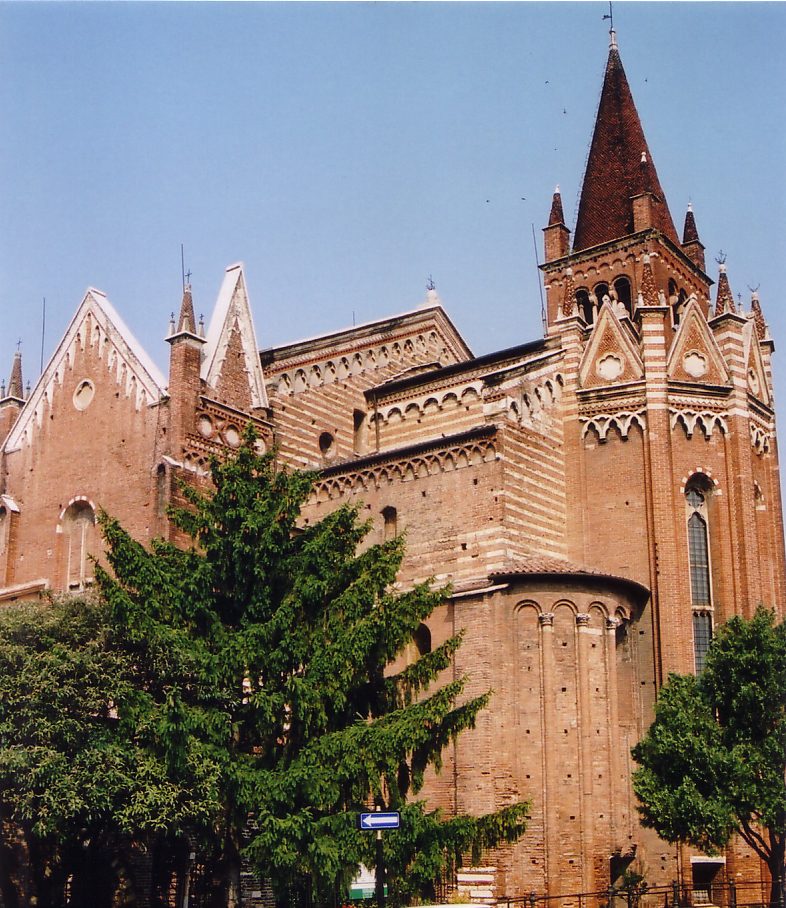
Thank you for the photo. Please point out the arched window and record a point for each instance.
(585, 307)
(359, 430)
(390, 516)
(78, 527)
(697, 495)
(622, 289)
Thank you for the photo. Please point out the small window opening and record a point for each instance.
(359, 429)
(622, 289)
(390, 517)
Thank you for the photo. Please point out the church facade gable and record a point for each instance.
(610, 357)
(231, 368)
(694, 355)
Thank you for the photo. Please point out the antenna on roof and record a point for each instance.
(43, 332)
(540, 284)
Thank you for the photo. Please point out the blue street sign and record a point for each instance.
(378, 820)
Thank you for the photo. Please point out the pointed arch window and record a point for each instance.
(697, 495)
(78, 527)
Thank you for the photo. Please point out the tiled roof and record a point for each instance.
(619, 167)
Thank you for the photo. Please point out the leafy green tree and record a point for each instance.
(713, 762)
(72, 780)
(263, 657)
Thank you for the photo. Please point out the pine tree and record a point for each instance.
(263, 653)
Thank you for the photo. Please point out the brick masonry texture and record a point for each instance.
(546, 483)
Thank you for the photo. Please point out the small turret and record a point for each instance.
(691, 244)
(11, 401)
(758, 317)
(725, 300)
(185, 363)
(556, 237)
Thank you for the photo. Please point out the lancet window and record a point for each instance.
(697, 495)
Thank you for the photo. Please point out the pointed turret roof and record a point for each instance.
(15, 386)
(619, 167)
(689, 233)
(725, 299)
(187, 322)
(556, 216)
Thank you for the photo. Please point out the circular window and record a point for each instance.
(205, 426)
(327, 444)
(232, 436)
(84, 394)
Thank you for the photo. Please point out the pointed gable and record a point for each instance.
(231, 367)
(619, 167)
(97, 326)
(611, 357)
(754, 368)
(694, 355)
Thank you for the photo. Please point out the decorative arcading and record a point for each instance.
(407, 469)
(622, 421)
(690, 418)
(760, 439)
(300, 377)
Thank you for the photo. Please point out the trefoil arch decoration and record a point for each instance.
(707, 420)
(622, 421)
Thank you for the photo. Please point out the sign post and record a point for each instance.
(377, 822)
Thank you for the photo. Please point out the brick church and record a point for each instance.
(600, 498)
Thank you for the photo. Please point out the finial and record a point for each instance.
(430, 285)
(201, 325)
(613, 41)
(171, 324)
(556, 189)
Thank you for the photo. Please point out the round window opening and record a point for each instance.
(327, 444)
(84, 394)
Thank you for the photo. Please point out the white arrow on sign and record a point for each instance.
(379, 820)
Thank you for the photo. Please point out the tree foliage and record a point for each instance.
(262, 658)
(72, 780)
(712, 764)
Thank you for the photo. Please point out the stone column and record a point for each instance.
(551, 782)
(614, 784)
(586, 805)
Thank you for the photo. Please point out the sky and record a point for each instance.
(346, 153)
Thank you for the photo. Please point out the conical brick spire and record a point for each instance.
(725, 300)
(692, 246)
(556, 216)
(619, 168)
(187, 323)
(569, 299)
(689, 233)
(15, 385)
(648, 296)
(758, 317)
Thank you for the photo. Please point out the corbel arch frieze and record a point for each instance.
(760, 439)
(455, 457)
(304, 375)
(432, 402)
(622, 420)
(706, 420)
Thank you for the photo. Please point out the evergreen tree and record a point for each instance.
(713, 763)
(262, 656)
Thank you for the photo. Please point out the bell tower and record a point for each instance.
(623, 219)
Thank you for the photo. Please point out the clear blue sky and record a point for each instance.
(345, 152)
